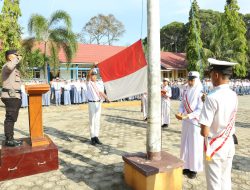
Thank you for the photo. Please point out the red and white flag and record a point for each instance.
(125, 74)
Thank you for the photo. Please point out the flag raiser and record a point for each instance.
(125, 74)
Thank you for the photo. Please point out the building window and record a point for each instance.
(170, 75)
(82, 74)
(36, 74)
(182, 74)
(165, 75)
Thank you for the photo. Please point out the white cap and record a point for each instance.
(166, 79)
(222, 63)
(193, 74)
(224, 67)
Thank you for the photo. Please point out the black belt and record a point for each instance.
(94, 101)
(7, 90)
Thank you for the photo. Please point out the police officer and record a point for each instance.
(217, 121)
(11, 95)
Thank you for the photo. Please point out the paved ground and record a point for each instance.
(85, 167)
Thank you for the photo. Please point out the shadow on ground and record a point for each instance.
(241, 163)
(243, 125)
(96, 175)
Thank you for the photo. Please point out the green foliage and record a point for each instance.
(194, 43)
(208, 19)
(236, 37)
(54, 37)
(10, 31)
(173, 37)
(102, 29)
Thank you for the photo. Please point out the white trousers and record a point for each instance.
(165, 111)
(94, 118)
(58, 97)
(218, 170)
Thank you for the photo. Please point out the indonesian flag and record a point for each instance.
(125, 74)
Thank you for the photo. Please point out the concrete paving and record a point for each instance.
(85, 167)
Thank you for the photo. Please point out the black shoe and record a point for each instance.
(97, 140)
(191, 175)
(146, 119)
(13, 143)
(93, 142)
(185, 171)
(164, 126)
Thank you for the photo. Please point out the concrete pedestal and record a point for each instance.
(143, 174)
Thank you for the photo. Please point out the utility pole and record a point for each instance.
(154, 81)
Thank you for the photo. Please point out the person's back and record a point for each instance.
(224, 100)
(217, 121)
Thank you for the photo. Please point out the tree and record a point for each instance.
(173, 37)
(209, 20)
(31, 59)
(54, 37)
(247, 23)
(237, 37)
(10, 31)
(102, 29)
(194, 43)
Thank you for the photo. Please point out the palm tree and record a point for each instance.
(54, 37)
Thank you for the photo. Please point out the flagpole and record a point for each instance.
(154, 80)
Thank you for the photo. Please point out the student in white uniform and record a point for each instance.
(144, 102)
(217, 121)
(67, 99)
(24, 96)
(95, 96)
(165, 103)
(58, 91)
(191, 139)
(83, 91)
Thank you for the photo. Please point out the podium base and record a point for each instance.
(26, 160)
(164, 174)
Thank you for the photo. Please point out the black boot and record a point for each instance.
(97, 140)
(191, 175)
(185, 171)
(12, 142)
(164, 126)
(93, 142)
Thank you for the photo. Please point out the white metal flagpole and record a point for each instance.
(154, 80)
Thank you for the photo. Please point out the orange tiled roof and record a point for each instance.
(92, 53)
(172, 61)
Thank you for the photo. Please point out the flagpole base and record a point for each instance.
(164, 174)
(154, 156)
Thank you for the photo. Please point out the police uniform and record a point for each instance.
(165, 103)
(218, 114)
(11, 96)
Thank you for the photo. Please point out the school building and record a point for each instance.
(173, 65)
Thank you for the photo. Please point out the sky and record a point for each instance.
(132, 13)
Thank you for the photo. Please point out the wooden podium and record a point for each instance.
(38, 153)
(35, 114)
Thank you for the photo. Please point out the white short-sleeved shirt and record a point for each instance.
(93, 91)
(168, 90)
(218, 109)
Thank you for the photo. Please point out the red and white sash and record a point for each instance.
(213, 145)
(93, 84)
(186, 104)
